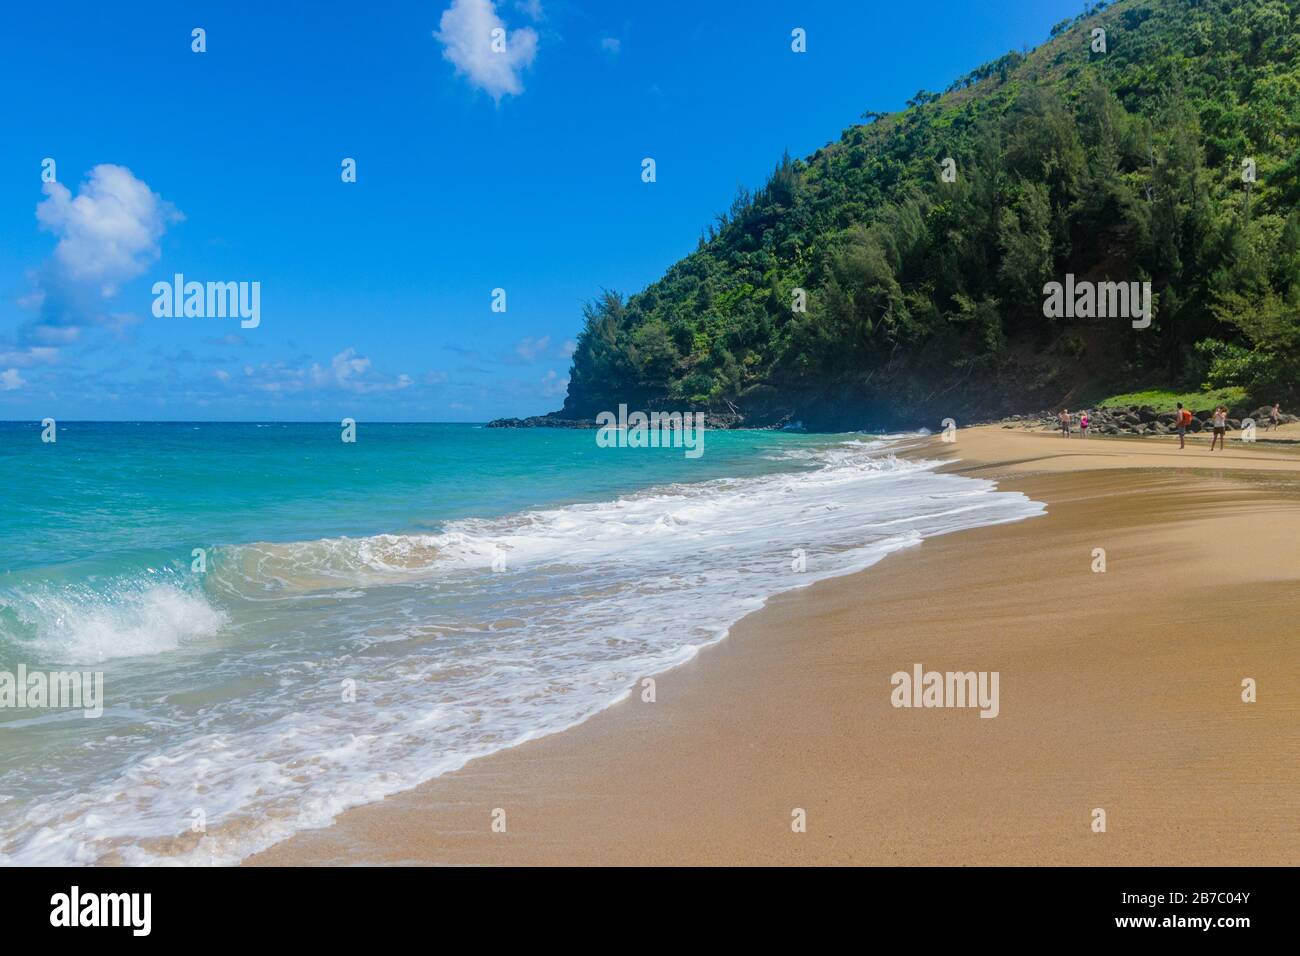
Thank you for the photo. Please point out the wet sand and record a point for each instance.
(1119, 690)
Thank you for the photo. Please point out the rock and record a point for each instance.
(539, 421)
(1147, 414)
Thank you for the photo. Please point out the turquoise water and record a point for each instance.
(369, 615)
(114, 490)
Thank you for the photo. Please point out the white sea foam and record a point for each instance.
(84, 624)
(452, 659)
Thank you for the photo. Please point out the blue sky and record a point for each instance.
(475, 170)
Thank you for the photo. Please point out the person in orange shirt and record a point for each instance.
(1182, 419)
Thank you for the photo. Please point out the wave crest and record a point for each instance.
(92, 623)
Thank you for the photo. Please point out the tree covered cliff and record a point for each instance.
(922, 293)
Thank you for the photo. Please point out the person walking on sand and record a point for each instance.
(1083, 423)
(1065, 421)
(1220, 427)
(1275, 415)
(1182, 418)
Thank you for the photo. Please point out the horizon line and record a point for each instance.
(225, 421)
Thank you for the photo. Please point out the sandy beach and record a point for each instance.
(1119, 690)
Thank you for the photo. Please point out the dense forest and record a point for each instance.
(875, 283)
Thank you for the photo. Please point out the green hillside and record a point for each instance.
(924, 297)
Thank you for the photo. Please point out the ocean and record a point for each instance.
(288, 625)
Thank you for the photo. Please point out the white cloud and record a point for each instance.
(29, 356)
(11, 380)
(276, 378)
(531, 8)
(352, 372)
(344, 366)
(109, 232)
(529, 348)
(568, 348)
(465, 32)
(34, 299)
(553, 385)
(230, 340)
(611, 45)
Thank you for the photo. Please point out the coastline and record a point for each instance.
(1103, 702)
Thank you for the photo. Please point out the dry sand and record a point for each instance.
(1119, 690)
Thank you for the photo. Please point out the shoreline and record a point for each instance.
(1103, 704)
